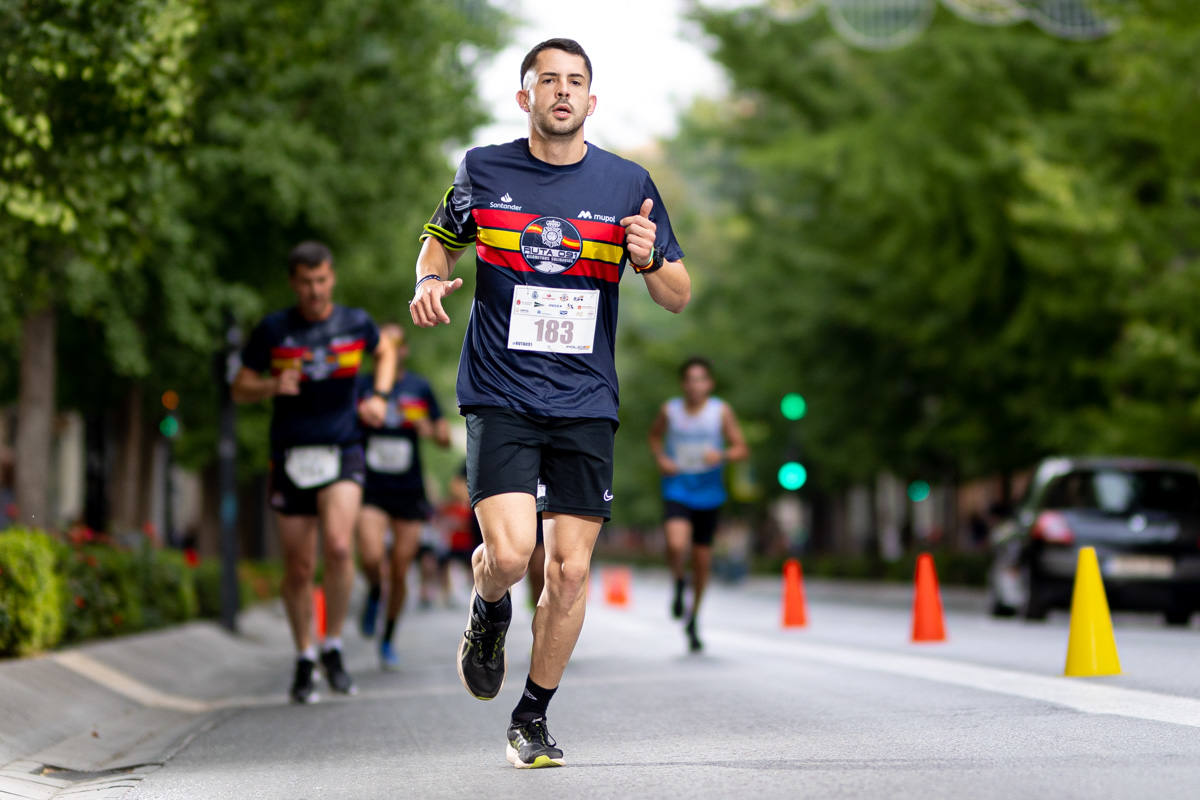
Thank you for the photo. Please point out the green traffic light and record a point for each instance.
(792, 476)
(169, 427)
(918, 491)
(793, 406)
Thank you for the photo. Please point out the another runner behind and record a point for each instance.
(691, 439)
(394, 496)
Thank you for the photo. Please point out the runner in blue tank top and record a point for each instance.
(691, 439)
(554, 220)
(306, 359)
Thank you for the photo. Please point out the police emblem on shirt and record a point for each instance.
(550, 245)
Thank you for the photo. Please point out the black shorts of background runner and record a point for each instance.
(507, 451)
(704, 520)
(290, 500)
(410, 505)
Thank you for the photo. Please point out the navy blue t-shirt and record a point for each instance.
(328, 354)
(550, 253)
(393, 451)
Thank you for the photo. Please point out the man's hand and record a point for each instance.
(288, 382)
(713, 457)
(640, 231)
(666, 465)
(373, 411)
(424, 427)
(426, 305)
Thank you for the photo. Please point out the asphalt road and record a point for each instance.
(845, 707)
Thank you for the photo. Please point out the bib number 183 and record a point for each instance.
(553, 331)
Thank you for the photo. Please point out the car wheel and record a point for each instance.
(1177, 618)
(1035, 607)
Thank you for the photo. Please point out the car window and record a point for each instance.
(1116, 491)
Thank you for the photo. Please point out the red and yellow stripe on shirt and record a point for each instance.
(344, 359)
(347, 358)
(284, 358)
(600, 251)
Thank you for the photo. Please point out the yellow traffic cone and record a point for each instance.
(1091, 648)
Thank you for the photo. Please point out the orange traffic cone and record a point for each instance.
(794, 614)
(616, 586)
(928, 623)
(319, 611)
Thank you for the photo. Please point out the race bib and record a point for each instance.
(389, 454)
(689, 456)
(317, 465)
(553, 321)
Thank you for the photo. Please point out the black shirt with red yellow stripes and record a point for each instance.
(550, 253)
(328, 353)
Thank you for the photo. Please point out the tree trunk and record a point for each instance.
(35, 420)
(127, 482)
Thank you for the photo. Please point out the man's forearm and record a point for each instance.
(670, 286)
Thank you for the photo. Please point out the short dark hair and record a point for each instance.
(308, 254)
(695, 361)
(566, 45)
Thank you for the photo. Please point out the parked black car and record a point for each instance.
(1141, 515)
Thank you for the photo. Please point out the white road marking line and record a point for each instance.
(1073, 693)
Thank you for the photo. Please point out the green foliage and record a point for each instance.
(30, 592)
(102, 596)
(167, 586)
(965, 253)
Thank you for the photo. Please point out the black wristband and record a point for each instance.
(430, 277)
(655, 263)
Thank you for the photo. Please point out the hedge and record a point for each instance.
(31, 590)
(54, 591)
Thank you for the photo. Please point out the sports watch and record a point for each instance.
(656, 262)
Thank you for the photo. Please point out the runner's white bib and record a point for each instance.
(389, 454)
(553, 320)
(314, 465)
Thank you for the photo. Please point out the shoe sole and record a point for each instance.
(462, 645)
(307, 701)
(538, 763)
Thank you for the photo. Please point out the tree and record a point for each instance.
(965, 253)
(93, 98)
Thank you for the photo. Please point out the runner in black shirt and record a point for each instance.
(395, 492)
(554, 220)
(307, 358)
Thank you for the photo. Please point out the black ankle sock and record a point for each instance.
(389, 629)
(533, 702)
(499, 611)
(373, 592)
(679, 584)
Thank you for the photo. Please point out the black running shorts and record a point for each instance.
(704, 520)
(404, 504)
(290, 500)
(507, 451)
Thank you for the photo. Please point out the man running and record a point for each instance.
(311, 354)
(554, 221)
(394, 495)
(691, 439)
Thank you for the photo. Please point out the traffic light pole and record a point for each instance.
(225, 366)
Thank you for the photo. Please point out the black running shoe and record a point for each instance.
(677, 603)
(304, 688)
(694, 643)
(335, 674)
(530, 745)
(481, 660)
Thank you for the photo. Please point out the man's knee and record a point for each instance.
(299, 571)
(338, 550)
(566, 579)
(507, 561)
